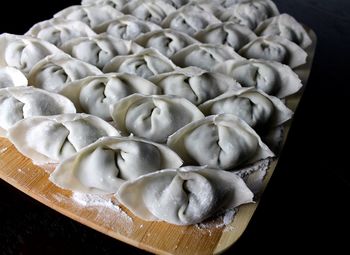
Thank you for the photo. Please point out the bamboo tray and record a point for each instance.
(117, 222)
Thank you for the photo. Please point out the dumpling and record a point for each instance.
(205, 56)
(219, 141)
(116, 4)
(206, 6)
(17, 103)
(104, 165)
(184, 196)
(287, 27)
(95, 94)
(151, 10)
(194, 84)
(127, 27)
(99, 50)
(153, 117)
(23, 52)
(226, 33)
(91, 15)
(59, 31)
(11, 77)
(52, 139)
(177, 3)
(275, 48)
(145, 64)
(167, 41)
(250, 13)
(56, 71)
(271, 77)
(189, 20)
(256, 108)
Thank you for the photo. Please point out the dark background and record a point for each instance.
(306, 204)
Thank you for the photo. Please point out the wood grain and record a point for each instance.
(157, 237)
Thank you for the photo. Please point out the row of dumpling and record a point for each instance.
(219, 142)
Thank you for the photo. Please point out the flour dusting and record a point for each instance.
(2, 150)
(223, 220)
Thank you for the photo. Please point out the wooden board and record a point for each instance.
(117, 222)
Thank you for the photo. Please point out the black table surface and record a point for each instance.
(306, 204)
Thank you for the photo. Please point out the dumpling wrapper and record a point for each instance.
(166, 41)
(219, 141)
(104, 165)
(226, 33)
(58, 31)
(205, 56)
(151, 10)
(12, 77)
(194, 84)
(145, 64)
(52, 139)
(271, 77)
(257, 109)
(287, 27)
(54, 72)
(99, 50)
(116, 4)
(23, 52)
(184, 196)
(17, 103)
(95, 94)
(250, 13)
(189, 20)
(275, 48)
(127, 27)
(153, 117)
(92, 15)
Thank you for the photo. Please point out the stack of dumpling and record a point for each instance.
(160, 102)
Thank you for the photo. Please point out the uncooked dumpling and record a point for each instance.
(275, 48)
(99, 50)
(23, 52)
(205, 56)
(219, 141)
(194, 84)
(153, 117)
(258, 109)
(12, 77)
(184, 196)
(17, 103)
(54, 72)
(52, 139)
(145, 64)
(95, 94)
(271, 77)
(116, 4)
(103, 166)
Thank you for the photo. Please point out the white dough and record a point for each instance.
(99, 50)
(205, 56)
(151, 10)
(219, 141)
(194, 84)
(275, 48)
(95, 94)
(92, 15)
(52, 139)
(258, 109)
(17, 103)
(127, 27)
(12, 77)
(145, 64)
(23, 52)
(104, 165)
(58, 31)
(54, 72)
(184, 196)
(271, 77)
(166, 41)
(287, 27)
(226, 33)
(116, 4)
(153, 117)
